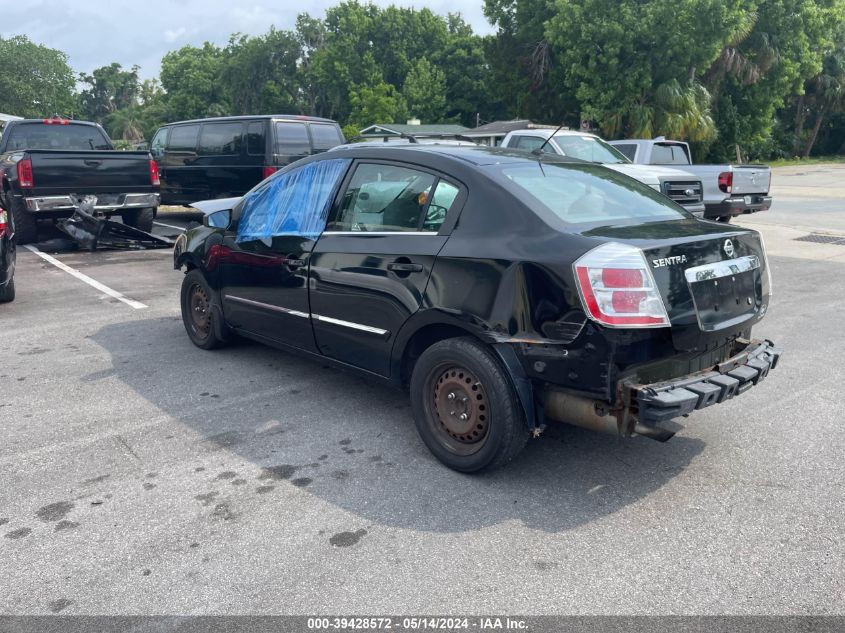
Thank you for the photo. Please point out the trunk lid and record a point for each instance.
(749, 179)
(713, 279)
(58, 172)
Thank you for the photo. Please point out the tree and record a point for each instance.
(35, 81)
(191, 79)
(378, 103)
(826, 93)
(425, 91)
(110, 88)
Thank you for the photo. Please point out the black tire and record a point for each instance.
(200, 312)
(724, 218)
(7, 292)
(141, 219)
(463, 375)
(26, 226)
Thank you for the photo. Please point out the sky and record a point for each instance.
(96, 33)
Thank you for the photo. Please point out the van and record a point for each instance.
(227, 156)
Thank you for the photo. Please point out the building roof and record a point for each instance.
(503, 127)
(397, 129)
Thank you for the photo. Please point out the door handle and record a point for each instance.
(93, 163)
(294, 263)
(404, 267)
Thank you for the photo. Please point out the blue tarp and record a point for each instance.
(294, 203)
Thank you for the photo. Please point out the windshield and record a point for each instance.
(589, 148)
(53, 136)
(588, 194)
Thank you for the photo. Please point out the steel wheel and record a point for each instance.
(200, 310)
(460, 409)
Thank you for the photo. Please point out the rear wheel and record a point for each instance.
(7, 292)
(724, 218)
(465, 408)
(26, 226)
(198, 312)
(141, 219)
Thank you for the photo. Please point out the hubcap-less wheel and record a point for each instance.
(200, 311)
(460, 408)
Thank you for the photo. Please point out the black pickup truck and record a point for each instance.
(48, 165)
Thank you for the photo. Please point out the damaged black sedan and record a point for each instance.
(502, 289)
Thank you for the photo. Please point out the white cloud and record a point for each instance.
(173, 35)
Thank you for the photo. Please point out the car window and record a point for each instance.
(159, 142)
(292, 139)
(628, 149)
(444, 197)
(56, 136)
(589, 148)
(294, 202)
(529, 142)
(221, 139)
(585, 194)
(325, 136)
(183, 138)
(385, 198)
(668, 154)
(256, 144)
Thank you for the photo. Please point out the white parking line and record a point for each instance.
(171, 226)
(91, 282)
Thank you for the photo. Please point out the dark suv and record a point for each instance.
(500, 287)
(223, 157)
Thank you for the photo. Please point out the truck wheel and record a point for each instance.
(724, 218)
(141, 219)
(26, 226)
(465, 408)
(7, 292)
(199, 314)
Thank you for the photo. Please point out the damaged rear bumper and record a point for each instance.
(659, 402)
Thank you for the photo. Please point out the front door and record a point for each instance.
(370, 268)
(264, 265)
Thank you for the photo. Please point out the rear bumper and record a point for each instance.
(659, 402)
(105, 202)
(737, 205)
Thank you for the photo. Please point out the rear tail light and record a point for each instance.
(25, 176)
(726, 181)
(154, 179)
(56, 121)
(4, 222)
(618, 289)
(269, 170)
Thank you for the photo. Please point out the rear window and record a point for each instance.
(588, 194)
(292, 139)
(325, 136)
(663, 154)
(221, 139)
(589, 148)
(64, 137)
(183, 138)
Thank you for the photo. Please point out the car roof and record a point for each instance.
(255, 117)
(479, 155)
(69, 121)
(546, 133)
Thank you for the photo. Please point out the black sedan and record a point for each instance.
(7, 257)
(501, 288)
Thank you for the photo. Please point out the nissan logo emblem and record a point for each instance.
(689, 193)
(729, 248)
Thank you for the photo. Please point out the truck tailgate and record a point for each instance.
(63, 172)
(751, 179)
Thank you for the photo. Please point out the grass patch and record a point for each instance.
(813, 160)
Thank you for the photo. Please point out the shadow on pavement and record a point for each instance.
(354, 445)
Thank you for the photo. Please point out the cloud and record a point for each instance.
(175, 34)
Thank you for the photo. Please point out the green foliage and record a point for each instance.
(110, 88)
(35, 81)
(380, 103)
(190, 77)
(425, 91)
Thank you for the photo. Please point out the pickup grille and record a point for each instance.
(683, 192)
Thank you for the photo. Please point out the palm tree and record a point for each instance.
(825, 93)
(126, 124)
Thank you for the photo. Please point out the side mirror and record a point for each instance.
(218, 219)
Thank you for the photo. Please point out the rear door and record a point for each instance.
(291, 142)
(220, 160)
(370, 268)
(184, 182)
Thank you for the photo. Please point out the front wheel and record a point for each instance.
(465, 408)
(198, 313)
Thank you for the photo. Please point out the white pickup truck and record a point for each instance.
(681, 186)
(729, 190)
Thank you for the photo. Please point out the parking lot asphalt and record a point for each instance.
(142, 475)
